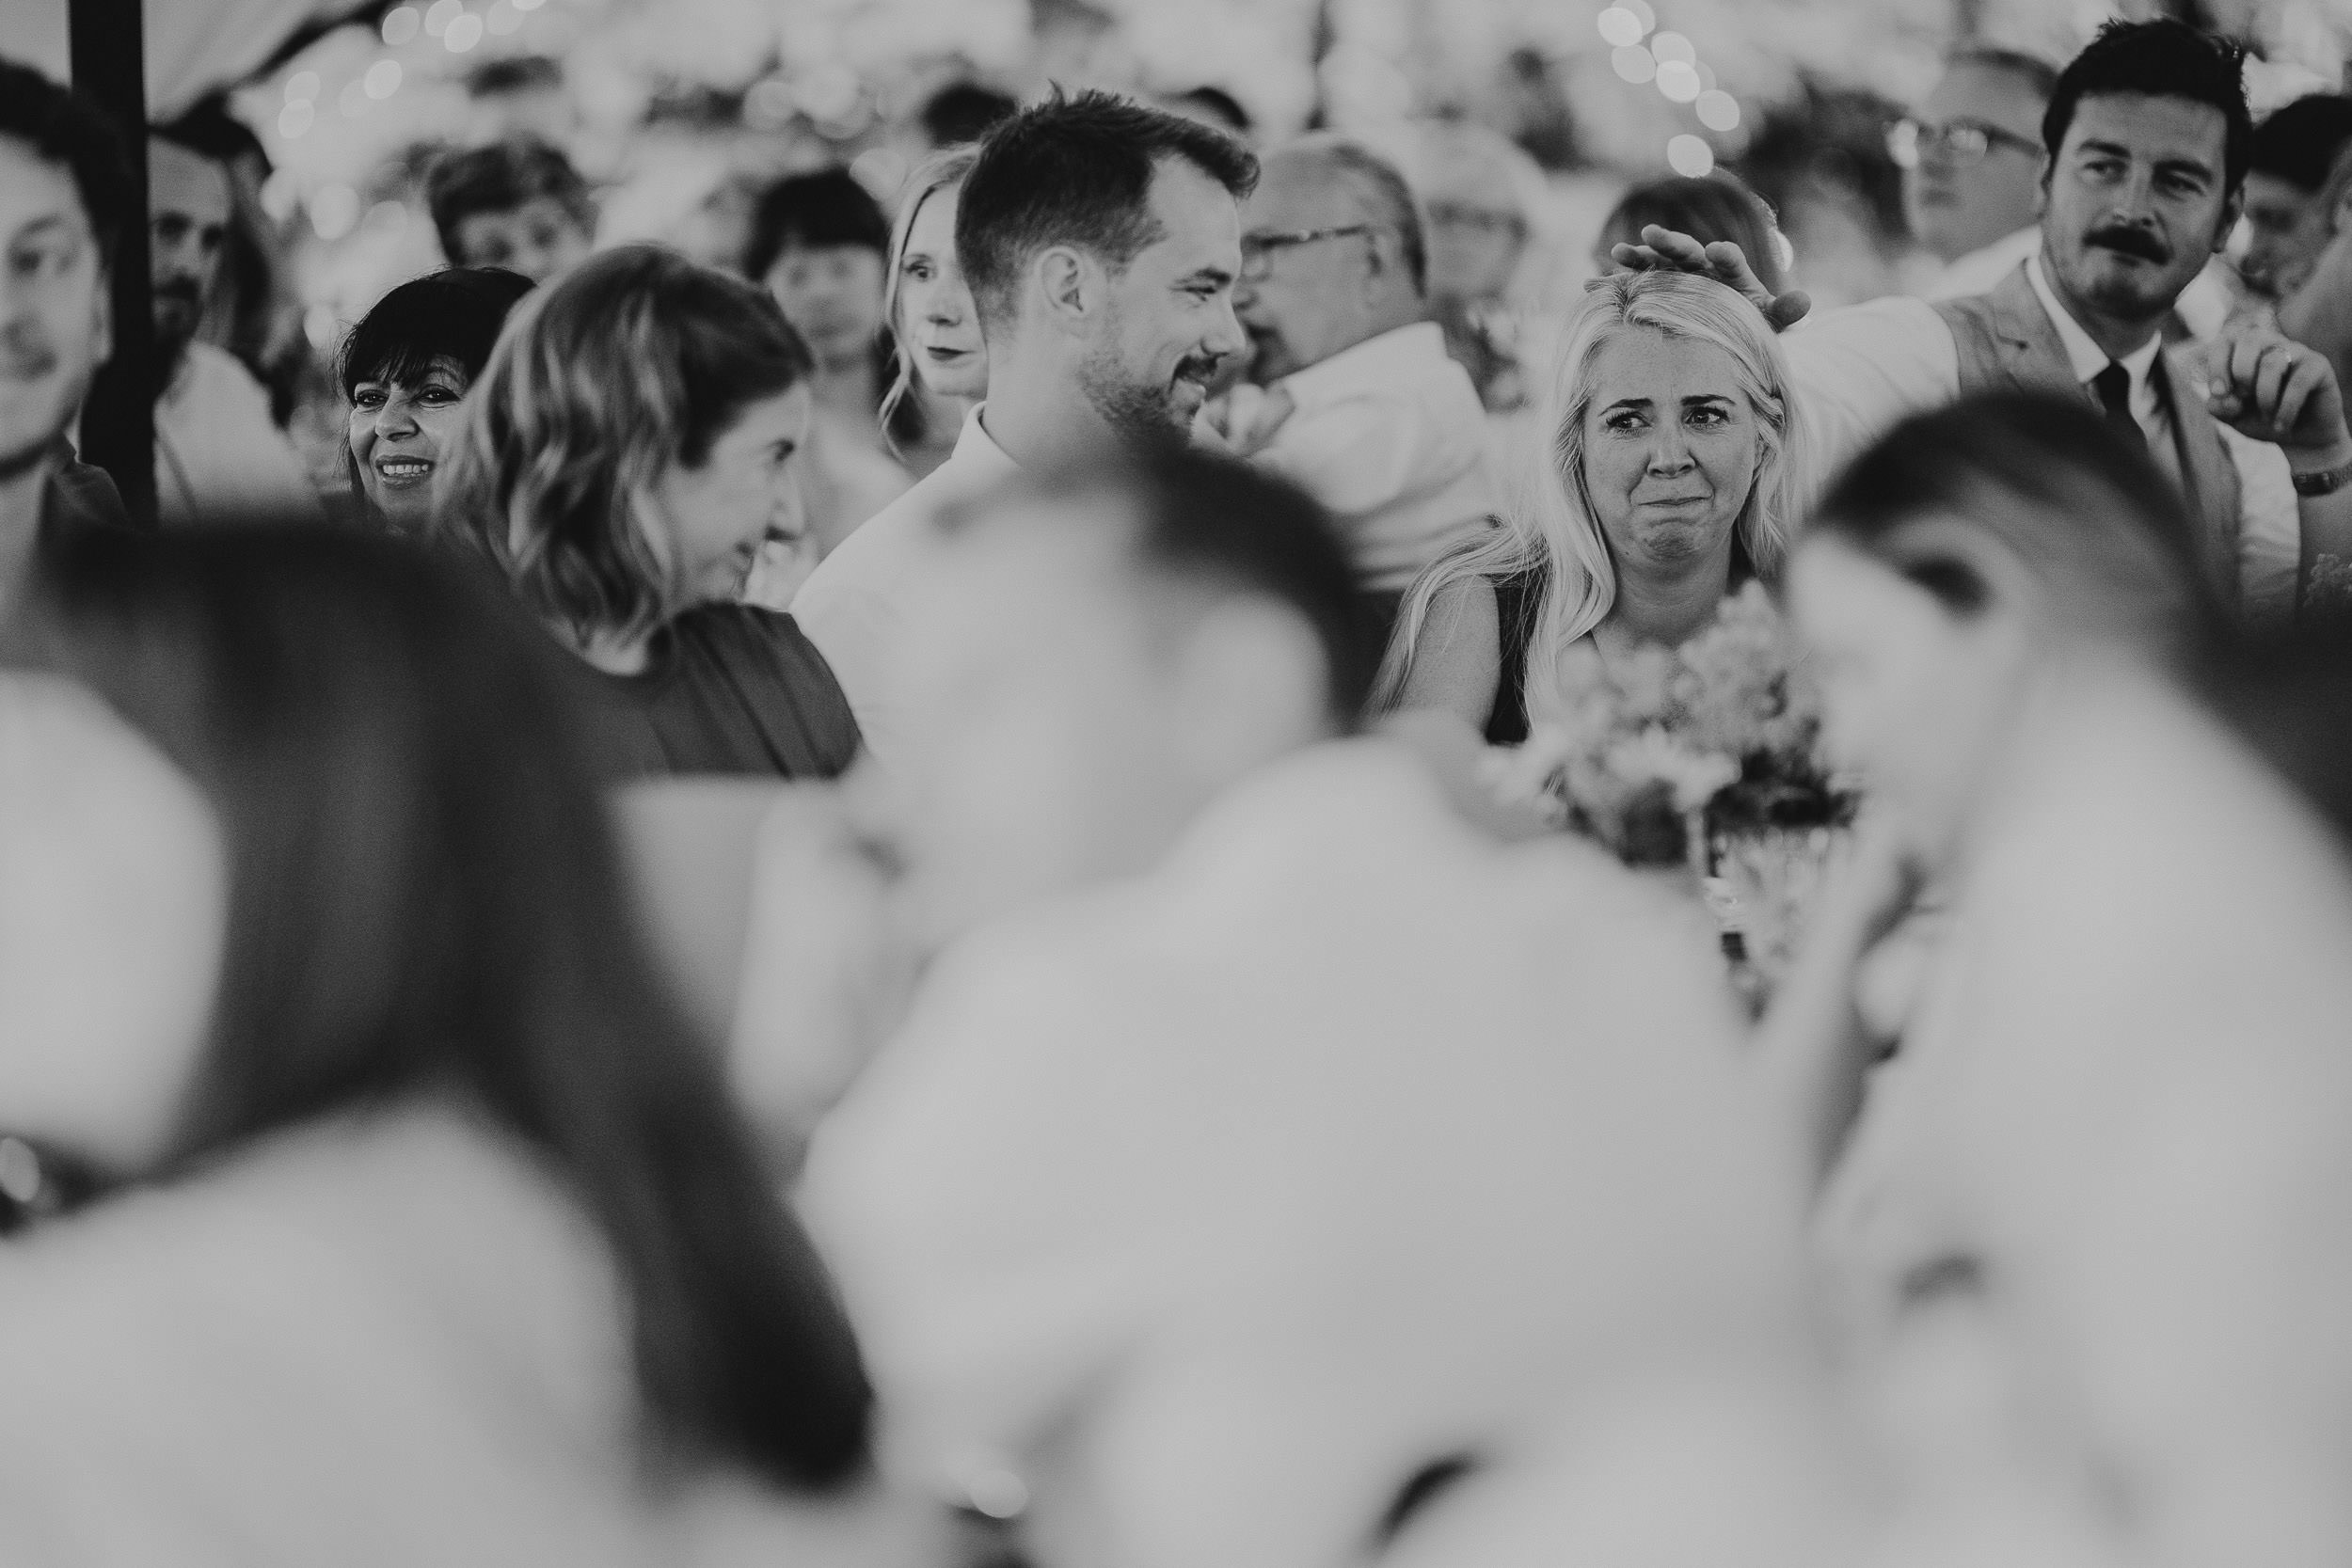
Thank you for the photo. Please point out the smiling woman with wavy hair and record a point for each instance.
(627, 451)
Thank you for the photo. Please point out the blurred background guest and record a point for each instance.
(2290, 214)
(425, 1230)
(630, 446)
(65, 194)
(217, 450)
(1479, 192)
(937, 357)
(1673, 471)
(1971, 159)
(820, 244)
(405, 370)
(518, 204)
(1362, 407)
(963, 112)
(1212, 106)
(1708, 208)
(253, 310)
(2003, 598)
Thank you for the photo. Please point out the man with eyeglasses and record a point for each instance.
(1362, 407)
(1972, 167)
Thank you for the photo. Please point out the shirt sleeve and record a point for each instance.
(1859, 370)
(2270, 529)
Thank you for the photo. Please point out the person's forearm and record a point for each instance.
(2326, 520)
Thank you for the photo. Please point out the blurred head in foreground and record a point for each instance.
(1967, 552)
(1095, 654)
(327, 790)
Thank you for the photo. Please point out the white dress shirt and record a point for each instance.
(217, 452)
(852, 606)
(1861, 368)
(1980, 271)
(1217, 1204)
(1390, 437)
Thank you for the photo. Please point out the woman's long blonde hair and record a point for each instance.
(943, 170)
(1551, 524)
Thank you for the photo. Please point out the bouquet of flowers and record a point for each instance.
(1705, 756)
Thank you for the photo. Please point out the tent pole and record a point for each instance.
(108, 51)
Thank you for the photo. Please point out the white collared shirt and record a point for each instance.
(1390, 435)
(1980, 271)
(1860, 370)
(851, 605)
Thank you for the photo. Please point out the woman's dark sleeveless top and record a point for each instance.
(1517, 598)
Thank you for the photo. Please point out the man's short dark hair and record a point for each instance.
(2032, 70)
(2298, 143)
(813, 211)
(965, 111)
(2161, 59)
(499, 179)
(1200, 519)
(1077, 171)
(61, 126)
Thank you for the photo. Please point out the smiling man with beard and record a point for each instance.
(217, 452)
(1100, 240)
(2146, 144)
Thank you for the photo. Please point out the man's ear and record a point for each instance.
(1069, 281)
(2232, 210)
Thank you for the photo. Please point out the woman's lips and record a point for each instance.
(404, 471)
(946, 355)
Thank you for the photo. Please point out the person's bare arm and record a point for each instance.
(2269, 388)
(1457, 663)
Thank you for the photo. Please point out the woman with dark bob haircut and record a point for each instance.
(405, 371)
(632, 446)
(424, 1230)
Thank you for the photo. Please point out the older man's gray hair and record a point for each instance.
(1385, 193)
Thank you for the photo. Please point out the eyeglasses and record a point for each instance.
(1259, 250)
(1446, 215)
(1964, 141)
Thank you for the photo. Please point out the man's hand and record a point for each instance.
(2267, 386)
(1724, 261)
(1245, 420)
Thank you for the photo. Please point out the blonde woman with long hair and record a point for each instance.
(941, 365)
(1675, 471)
(628, 451)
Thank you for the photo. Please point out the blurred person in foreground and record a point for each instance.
(65, 194)
(405, 370)
(2147, 140)
(820, 244)
(2290, 192)
(1090, 658)
(1360, 405)
(1229, 1190)
(217, 450)
(1971, 159)
(2104, 1178)
(937, 357)
(389, 1212)
(632, 446)
(1672, 470)
(1100, 240)
(517, 204)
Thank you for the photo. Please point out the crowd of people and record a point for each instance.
(854, 910)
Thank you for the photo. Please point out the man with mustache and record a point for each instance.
(65, 193)
(217, 451)
(2146, 144)
(1363, 408)
(1100, 240)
